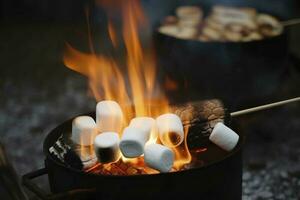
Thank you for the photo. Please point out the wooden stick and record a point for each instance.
(263, 107)
(291, 22)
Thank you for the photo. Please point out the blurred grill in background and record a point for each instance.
(36, 90)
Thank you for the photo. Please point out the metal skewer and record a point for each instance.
(291, 22)
(263, 107)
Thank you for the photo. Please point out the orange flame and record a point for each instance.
(182, 153)
(137, 85)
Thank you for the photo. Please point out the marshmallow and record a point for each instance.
(148, 124)
(106, 147)
(211, 33)
(224, 137)
(170, 129)
(84, 130)
(187, 33)
(234, 12)
(189, 12)
(159, 157)
(171, 30)
(133, 141)
(188, 23)
(109, 116)
(269, 25)
(189, 16)
(252, 36)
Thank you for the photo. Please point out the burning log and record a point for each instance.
(201, 117)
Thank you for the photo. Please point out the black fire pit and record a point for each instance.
(219, 177)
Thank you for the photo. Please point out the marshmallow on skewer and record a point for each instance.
(133, 141)
(109, 116)
(84, 130)
(106, 147)
(170, 129)
(159, 157)
(224, 137)
(146, 123)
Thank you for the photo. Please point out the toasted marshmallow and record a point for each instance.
(106, 147)
(170, 129)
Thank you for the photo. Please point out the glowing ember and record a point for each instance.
(136, 86)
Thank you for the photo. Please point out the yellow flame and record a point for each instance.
(182, 153)
(112, 34)
(138, 85)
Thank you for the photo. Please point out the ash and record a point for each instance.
(32, 104)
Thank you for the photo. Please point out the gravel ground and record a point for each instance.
(37, 94)
(271, 169)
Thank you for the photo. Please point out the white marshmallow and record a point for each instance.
(133, 141)
(84, 130)
(106, 147)
(159, 157)
(187, 33)
(171, 30)
(189, 12)
(224, 137)
(170, 129)
(109, 116)
(148, 124)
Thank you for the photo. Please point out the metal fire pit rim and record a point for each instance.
(63, 125)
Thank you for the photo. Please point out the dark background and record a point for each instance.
(68, 10)
(25, 22)
(37, 92)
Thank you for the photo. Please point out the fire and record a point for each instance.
(182, 153)
(137, 84)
